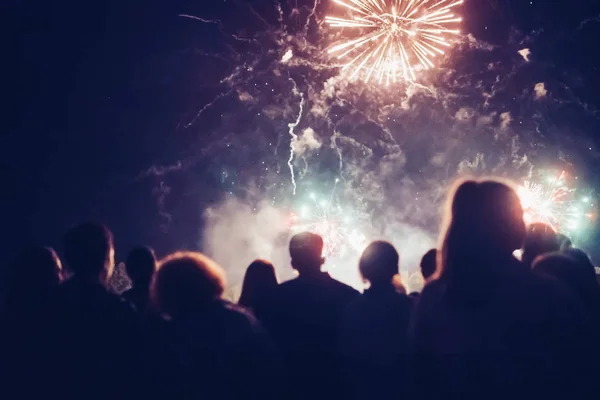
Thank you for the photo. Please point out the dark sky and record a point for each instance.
(93, 98)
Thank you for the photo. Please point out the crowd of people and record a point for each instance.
(486, 325)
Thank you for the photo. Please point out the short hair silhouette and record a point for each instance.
(540, 239)
(484, 221)
(555, 264)
(88, 250)
(259, 279)
(186, 282)
(585, 265)
(379, 263)
(564, 241)
(429, 264)
(141, 265)
(574, 269)
(306, 252)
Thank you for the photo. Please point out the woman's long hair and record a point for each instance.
(260, 279)
(484, 226)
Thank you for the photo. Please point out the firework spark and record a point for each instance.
(331, 221)
(553, 202)
(400, 36)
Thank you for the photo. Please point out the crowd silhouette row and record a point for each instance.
(486, 325)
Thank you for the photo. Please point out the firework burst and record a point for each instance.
(331, 221)
(553, 202)
(398, 37)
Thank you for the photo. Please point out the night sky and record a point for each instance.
(97, 96)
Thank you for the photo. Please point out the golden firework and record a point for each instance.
(400, 36)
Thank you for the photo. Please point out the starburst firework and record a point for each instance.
(332, 222)
(554, 203)
(399, 36)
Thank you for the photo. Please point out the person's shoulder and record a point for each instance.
(343, 288)
(532, 284)
(236, 311)
(431, 295)
(288, 288)
(433, 287)
(238, 318)
(356, 305)
(117, 305)
(66, 293)
(548, 289)
(292, 283)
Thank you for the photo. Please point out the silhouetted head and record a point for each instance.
(186, 282)
(429, 264)
(583, 262)
(484, 226)
(540, 239)
(574, 269)
(379, 263)
(89, 252)
(34, 273)
(564, 242)
(141, 265)
(260, 279)
(306, 251)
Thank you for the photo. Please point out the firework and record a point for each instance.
(553, 202)
(331, 221)
(397, 37)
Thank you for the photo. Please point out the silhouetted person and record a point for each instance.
(140, 265)
(210, 348)
(259, 285)
(95, 333)
(304, 319)
(34, 278)
(35, 275)
(374, 328)
(583, 261)
(488, 327)
(573, 268)
(564, 242)
(429, 264)
(539, 239)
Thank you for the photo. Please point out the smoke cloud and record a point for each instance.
(237, 233)
(307, 141)
(505, 120)
(540, 90)
(525, 53)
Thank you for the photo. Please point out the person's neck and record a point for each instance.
(310, 274)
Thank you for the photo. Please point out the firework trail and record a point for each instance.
(294, 137)
(400, 36)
